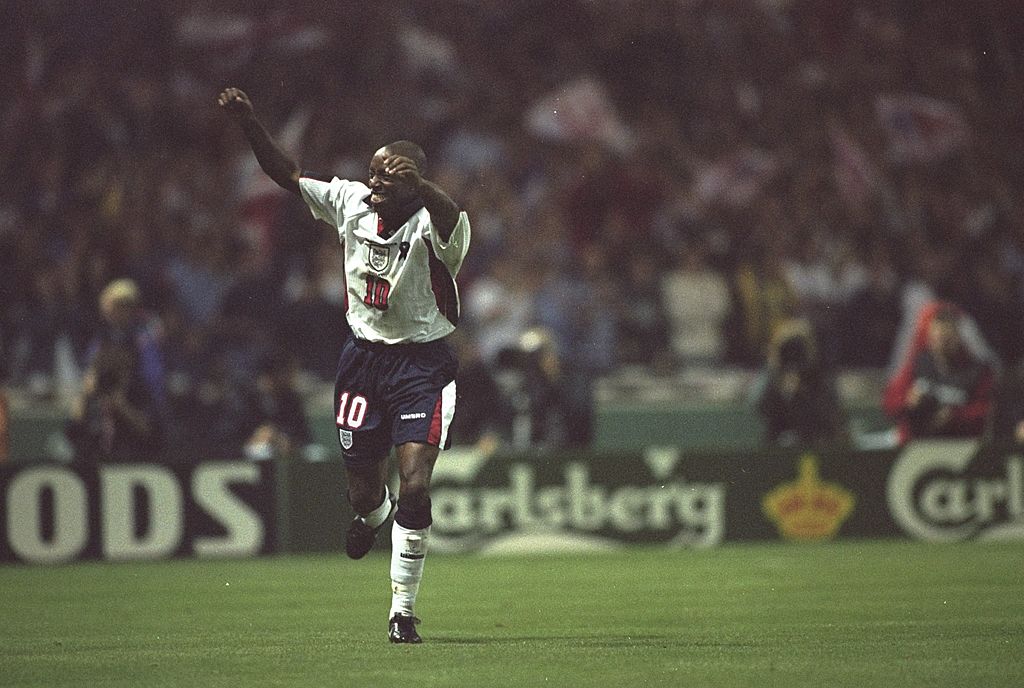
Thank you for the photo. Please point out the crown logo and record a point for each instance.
(808, 508)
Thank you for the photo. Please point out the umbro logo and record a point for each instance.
(412, 416)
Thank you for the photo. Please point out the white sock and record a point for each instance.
(408, 549)
(380, 514)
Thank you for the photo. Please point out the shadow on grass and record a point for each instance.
(571, 640)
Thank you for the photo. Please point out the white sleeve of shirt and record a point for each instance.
(323, 198)
(328, 201)
(453, 252)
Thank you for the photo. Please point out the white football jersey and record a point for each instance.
(401, 288)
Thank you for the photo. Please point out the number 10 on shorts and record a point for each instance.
(351, 415)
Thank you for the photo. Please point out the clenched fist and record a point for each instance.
(235, 103)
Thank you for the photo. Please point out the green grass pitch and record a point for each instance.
(842, 614)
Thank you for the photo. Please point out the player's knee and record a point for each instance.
(415, 480)
(365, 486)
(364, 498)
(415, 477)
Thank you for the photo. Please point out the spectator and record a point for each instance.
(945, 385)
(114, 418)
(482, 425)
(764, 300)
(1006, 423)
(643, 331)
(499, 307)
(270, 418)
(44, 357)
(575, 312)
(697, 301)
(313, 320)
(872, 316)
(207, 405)
(531, 376)
(5, 427)
(126, 324)
(797, 397)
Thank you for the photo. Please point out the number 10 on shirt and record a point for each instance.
(377, 291)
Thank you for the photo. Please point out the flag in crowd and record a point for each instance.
(920, 128)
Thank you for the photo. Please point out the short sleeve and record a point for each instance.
(323, 198)
(453, 251)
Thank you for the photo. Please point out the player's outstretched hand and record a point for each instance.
(235, 103)
(404, 169)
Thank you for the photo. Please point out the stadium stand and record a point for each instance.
(841, 162)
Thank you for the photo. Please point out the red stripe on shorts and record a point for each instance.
(434, 436)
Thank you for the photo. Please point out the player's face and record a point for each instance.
(388, 193)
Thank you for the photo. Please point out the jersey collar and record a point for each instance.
(386, 232)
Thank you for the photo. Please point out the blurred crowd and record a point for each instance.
(650, 182)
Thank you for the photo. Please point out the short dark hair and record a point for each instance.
(410, 150)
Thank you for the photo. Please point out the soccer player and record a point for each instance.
(404, 241)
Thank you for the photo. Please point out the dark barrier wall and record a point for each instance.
(934, 491)
(617, 427)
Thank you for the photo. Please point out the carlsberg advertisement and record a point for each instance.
(521, 502)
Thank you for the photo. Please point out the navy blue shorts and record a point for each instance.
(390, 394)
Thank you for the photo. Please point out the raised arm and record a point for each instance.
(273, 161)
(444, 212)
